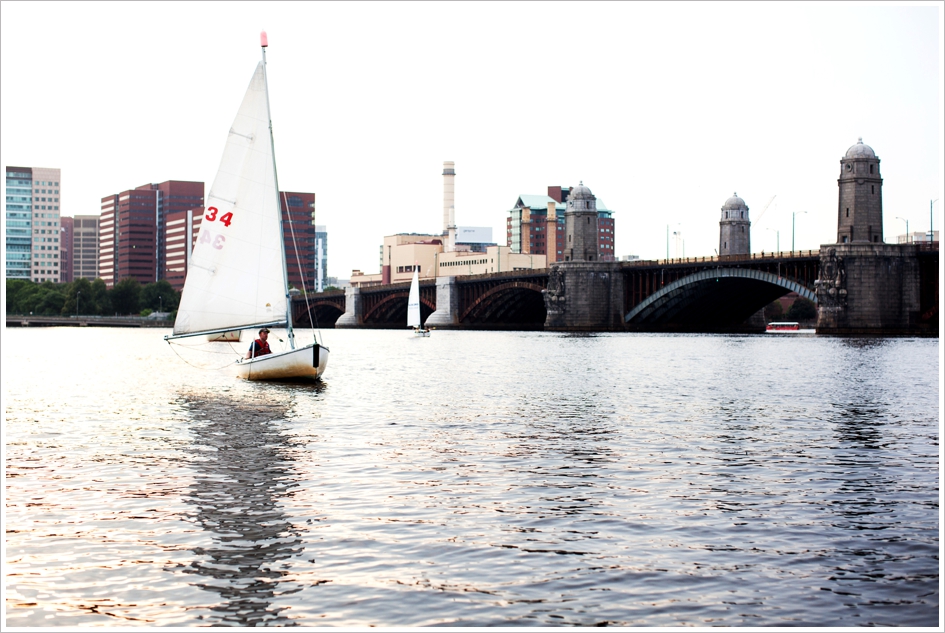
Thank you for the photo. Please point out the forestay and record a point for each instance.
(236, 277)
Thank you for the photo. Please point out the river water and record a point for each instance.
(473, 478)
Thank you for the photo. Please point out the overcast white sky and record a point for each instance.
(662, 109)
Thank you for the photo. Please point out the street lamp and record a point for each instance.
(78, 293)
(161, 303)
(777, 234)
(931, 233)
(793, 213)
(907, 227)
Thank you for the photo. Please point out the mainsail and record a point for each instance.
(413, 301)
(236, 276)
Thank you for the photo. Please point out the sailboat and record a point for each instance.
(413, 305)
(237, 277)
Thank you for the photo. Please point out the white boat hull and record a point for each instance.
(306, 362)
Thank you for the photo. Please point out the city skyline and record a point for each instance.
(662, 110)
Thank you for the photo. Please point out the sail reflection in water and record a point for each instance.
(244, 468)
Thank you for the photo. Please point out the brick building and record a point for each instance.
(536, 225)
(131, 231)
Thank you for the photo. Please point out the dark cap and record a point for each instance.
(265, 329)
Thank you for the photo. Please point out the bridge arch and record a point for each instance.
(391, 309)
(713, 298)
(513, 303)
(318, 312)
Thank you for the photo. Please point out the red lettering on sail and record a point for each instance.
(212, 214)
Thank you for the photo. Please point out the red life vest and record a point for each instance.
(261, 348)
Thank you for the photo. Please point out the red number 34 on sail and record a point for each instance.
(211, 215)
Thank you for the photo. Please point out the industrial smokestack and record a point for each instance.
(448, 175)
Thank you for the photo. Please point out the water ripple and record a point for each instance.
(478, 479)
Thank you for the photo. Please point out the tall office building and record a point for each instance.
(85, 247)
(298, 228)
(32, 224)
(180, 235)
(321, 257)
(131, 231)
(536, 225)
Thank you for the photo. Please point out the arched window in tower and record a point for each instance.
(848, 211)
(871, 169)
(873, 189)
(726, 215)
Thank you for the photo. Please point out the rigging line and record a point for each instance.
(298, 259)
(198, 366)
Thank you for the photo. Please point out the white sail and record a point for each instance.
(413, 301)
(236, 278)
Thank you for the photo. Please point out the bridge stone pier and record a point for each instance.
(584, 296)
(446, 315)
(875, 288)
(353, 311)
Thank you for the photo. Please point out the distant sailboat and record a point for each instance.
(237, 277)
(413, 306)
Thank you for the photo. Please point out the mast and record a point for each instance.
(264, 43)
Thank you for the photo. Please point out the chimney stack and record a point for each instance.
(448, 175)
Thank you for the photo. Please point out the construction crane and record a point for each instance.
(766, 208)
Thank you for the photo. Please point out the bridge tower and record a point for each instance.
(583, 292)
(580, 226)
(866, 286)
(860, 207)
(734, 228)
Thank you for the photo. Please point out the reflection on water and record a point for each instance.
(475, 478)
(244, 470)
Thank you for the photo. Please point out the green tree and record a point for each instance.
(774, 311)
(126, 296)
(101, 301)
(48, 300)
(17, 289)
(802, 310)
(160, 296)
(79, 299)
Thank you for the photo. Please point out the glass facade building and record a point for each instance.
(18, 219)
(32, 224)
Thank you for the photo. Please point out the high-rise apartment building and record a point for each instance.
(85, 235)
(32, 224)
(131, 237)
(536, 225)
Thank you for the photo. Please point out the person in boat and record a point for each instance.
(260, 346)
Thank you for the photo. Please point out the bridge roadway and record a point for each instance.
(29, 320)
(695, 293)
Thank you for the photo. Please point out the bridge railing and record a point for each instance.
(725, 258)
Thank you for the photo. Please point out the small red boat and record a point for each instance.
(783, 326)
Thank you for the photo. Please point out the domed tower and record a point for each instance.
(580, 226)
(734, 228)
(860, 210)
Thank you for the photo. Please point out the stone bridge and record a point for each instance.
(691, 294)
